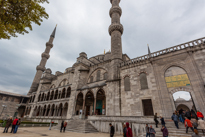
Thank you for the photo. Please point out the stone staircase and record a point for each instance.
(80, 126)
(173, 131)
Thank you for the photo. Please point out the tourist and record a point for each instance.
(193, 114)
(112, 130)
(147, 130)
(124, 130)
(156, 121)
(201, 124)
(8, 124)
(181, 111)
(194, 123)
(200, 115)
(17, 125)
(188, 124)
(62, 125)
(152, 132)
(188, 114)
(14, 124)
(196, 134)
(162, 121)
(183, 116)
(129, 130)
(175, 119)
(164, 131)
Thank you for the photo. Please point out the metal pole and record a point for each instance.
(2, 111)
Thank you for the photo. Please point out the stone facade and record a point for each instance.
(12, 104)
(112, 84)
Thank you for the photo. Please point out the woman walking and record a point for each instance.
(8, 124)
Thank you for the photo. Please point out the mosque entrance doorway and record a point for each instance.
(89, 103)
(183, 101)
(147, 107)
(100, 103)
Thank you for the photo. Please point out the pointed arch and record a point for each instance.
(68, 92)
(143, 80)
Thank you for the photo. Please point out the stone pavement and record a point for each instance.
(43, 131)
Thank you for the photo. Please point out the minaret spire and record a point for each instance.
(116, 30)
(41, 67)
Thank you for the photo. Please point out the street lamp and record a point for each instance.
(4, 106)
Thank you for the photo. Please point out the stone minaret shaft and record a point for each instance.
(41, 67)
(116, 30)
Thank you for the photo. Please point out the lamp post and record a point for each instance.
(4, 106)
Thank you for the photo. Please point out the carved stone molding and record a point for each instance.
(115, 9)
(112, 0)
(46, 55)
(49, 45)
(114, 27)
(40, 68)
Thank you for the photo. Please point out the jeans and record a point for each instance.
(64, 129)
(148, 134)
(188, 128)
(111, 135)
(6, 129)
(176, 124)
(16, 128)
(13, 127)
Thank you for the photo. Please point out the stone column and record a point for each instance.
(95, 105)
(83, 106)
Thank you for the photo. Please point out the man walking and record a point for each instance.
(162, 121)
(62, 125)
(147, 130)
(8, 124)
(14, 124)
(124, 130)
(155, 120)
(17, 125)
(175, 119)
(112, 130)
(152, 132)
(164, 131)
(188, 124)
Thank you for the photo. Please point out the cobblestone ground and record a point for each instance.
(43, 131)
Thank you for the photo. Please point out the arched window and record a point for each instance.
(39, 97)
(143, 81)
(105, 76)
(127, 83)
(91, 79)
(33, 98)
(7, 98)
(68, 92)
(1, 97)
(98, 75)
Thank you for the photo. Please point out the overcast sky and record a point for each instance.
(83, 26)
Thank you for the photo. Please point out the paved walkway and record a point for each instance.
(43, 131)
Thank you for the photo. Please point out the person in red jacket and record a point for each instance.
(129, 130)
(188, 124)
(14, 124)
(200, 115)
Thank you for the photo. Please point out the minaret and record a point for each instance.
(41, 67)
(115, 31)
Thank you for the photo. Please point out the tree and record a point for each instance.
(17, 15)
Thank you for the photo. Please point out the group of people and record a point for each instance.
(127, 131)
(191, 120)
(63, 126)
(14, 123)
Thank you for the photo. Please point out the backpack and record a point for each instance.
(195, 124)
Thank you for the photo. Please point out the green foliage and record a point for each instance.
(17, 15)
(1, 121)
